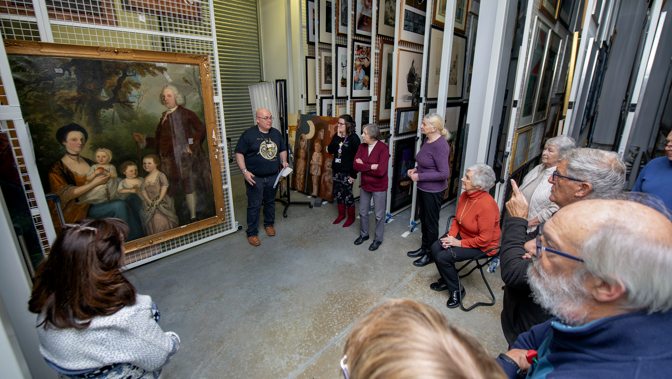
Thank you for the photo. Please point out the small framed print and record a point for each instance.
(460, 15)
(385, 87)
(409, 76)
(326, 21)
(311, 94)
(341, 68)
(456, 75)
(363, 17)
(310, 21)
(342, 16)
(412, 29)
(474, 6)
(407, 121)
(327, 107)
(340, 110)
(520, 146)
(549, 8)
(326, 71)
(387, 15)
(439, 12)
(361, 69)
(362, 116)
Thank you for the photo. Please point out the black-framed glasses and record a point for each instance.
(79, 227)
(270, 118)
(344, 367)
(341, 124)
(555, 175)
(544, 248)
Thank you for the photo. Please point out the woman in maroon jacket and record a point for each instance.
(371, 160)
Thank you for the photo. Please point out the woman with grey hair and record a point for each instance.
(371, 160)
(536, 187)
(474, 230)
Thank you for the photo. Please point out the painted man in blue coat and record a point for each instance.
(602, 267)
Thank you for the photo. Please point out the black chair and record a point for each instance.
(482, 261)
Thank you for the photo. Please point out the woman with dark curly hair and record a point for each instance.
(91, 321)
(344, 146)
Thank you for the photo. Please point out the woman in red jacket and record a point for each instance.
(371, 160)
(474, 230)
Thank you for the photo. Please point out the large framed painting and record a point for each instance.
(361, 69)
(312, 165)
(387, 15)
(547, 75)
(310, 21)
(534, 69)
(326, 71)
(407, 121)
(456, 76)
(342, 70)
(521, 141)
(409, 76)
(102, 120)
(460, 15)
(402, 185)
(385, 87)
(311, 91)
(413, 13)
(363, 19)
(342, 16)
(549, 8)
(326, 21)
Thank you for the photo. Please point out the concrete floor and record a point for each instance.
(284, 309)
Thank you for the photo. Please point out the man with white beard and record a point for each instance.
(603, 268)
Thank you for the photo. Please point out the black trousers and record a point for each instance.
(429, 204)
(445, 260)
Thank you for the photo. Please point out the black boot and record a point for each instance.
(455, 297)
(416, 253)
(423, 261)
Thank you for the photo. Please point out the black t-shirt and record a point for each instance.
(261, 150)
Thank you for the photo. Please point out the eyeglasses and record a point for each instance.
(79, 227)
(341, 124)
(270, 118)
(344, 367)
(544, 248)
(555, 175)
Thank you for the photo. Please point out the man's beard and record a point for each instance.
(562, 297)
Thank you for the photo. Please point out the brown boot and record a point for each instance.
(341, 214)
(351, 217)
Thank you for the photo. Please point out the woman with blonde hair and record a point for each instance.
(431, 174)
(403, 338)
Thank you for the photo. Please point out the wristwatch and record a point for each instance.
(244, 171)
(510, 360)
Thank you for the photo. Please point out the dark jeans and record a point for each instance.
(429, 204)
(445, 260)
(261, 193)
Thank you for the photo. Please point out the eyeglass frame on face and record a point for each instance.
(344, 367)
(269, 118)
(557, 252)
(555, 175)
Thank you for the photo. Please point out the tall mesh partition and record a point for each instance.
(181, 26)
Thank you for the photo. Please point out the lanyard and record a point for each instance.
(340, 146)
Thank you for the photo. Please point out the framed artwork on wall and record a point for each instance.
(409, 76)
(471, 50)
(310, 21)
(362, 116)
(407, 121)
(326, 21)
(341, 67)
(327, 107)
(361, 70)
(363, 19)
(340, 110)
(412, 28)
(387, 15)
(551, 121)
(534, 69)
(565, 12)
(92, 83)
(549, 8)
(385, 80)
(521, 141)
(402, 186)
(312, 164)
(460, 15)
(439, 17)
(547, 76)
(342, 16)
(474, 7)
(311, 94)
(456, 76)
(536, 140)
(326, 77)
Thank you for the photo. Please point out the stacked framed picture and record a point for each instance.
(412, 27)
(386, 59)
(361, 70)
(457, 64)
(402, 185)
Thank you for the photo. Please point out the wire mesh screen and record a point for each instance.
(181, 26)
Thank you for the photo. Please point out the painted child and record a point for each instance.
(130, 185)
(157, 214)
(104, 192)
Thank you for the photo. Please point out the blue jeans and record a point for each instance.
(261, 193)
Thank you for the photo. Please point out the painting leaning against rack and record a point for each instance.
(123, 133)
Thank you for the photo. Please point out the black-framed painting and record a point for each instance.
(326, 71)
(402, 185)
(456, 75)
(326, 21)
(549, 8)
(413, 14)
(387, 15)
(534, 69)
(327, 106)
(409, 77)
(122, 120)
(521, 141)
(548, 73)
(385, 87)
(343, 17)
(311, 92)
(363, 21)
(407, 121)
(342, 69)
(310, 21)
(361, 70)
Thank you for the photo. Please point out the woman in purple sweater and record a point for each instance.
(432, 175)
(371, 160)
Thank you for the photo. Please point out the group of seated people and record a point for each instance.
(587, 287)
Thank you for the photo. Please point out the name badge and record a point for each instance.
(191, 141)
(337, 160)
